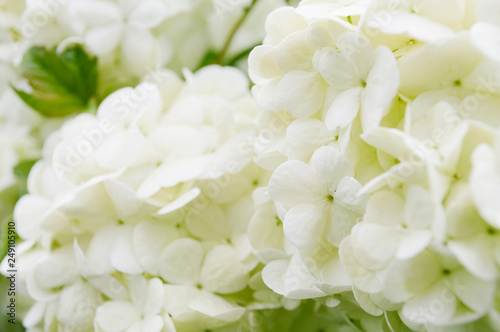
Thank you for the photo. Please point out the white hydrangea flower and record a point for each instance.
(265, 229)
(131, 190)
(474, 244)
(422, 149)
(435, 277)
(367, 79)
(405, 24)
(484, 180)
(320, 199)
(486, 32)
(194, 275)
(140, 313)
(109, 24)
(400, 231)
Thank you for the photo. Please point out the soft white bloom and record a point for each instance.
(474, 243)
(127, 24)
(265, 229)
(195, 274)
(367, 80)
(128, 192)
(140, 313)
(403, 25)
(486, 32)
(453, 65)
(320, 199)
(291, 278)
(485, 180)
(400, 229)
(436, 277)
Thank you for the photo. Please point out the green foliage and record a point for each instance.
(62, 84)
(21, 171)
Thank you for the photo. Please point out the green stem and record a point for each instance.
(240, 55)
(232, 33)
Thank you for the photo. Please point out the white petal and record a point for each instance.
(344, 109)
(152, 323)
(331, 167)
(177, 298)
(421, 308)
(294, 53)
(154, 298)
(338, 71)
(381, 87)
(282, 22)
(265, 230)
(273, 275)
(304, 225)
(208, 223)
(374, 245)
(419, 209)
(180, 201)
(137, 47)
(150, 238)
(261, 64)
(485, 184)
(34, 315)
(180, 262)
(99, 250)
(359, 51)
(123, 197)
(412, 243)
(362, 278)
(299, 283)
(122, 256)
(476, 254)
(265, 95)
(306, 135)
(422, 28)
(222, 272)
(214, 306)
(301, 93)
(110, 286)
(115, 316)
(475, 293)
(28, 213)
(170, 174)
(104, 39)
(294, 183)
(341, 221)
(58, 269)
(148, 14)
(365, 301)
(336, 276)
(96, 13)
(138, 288)
(413, 277)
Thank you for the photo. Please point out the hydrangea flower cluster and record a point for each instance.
(354, 186)
(380, 124)
(136, 217)
(134, 37)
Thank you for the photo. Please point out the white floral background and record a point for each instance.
(250, 165)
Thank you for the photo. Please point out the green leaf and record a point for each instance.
(62, 83)
(22, 171)
(209, 59)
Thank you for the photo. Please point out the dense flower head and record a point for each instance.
(352, 184)
(380, 125)
(134, 37)
(141, 210)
